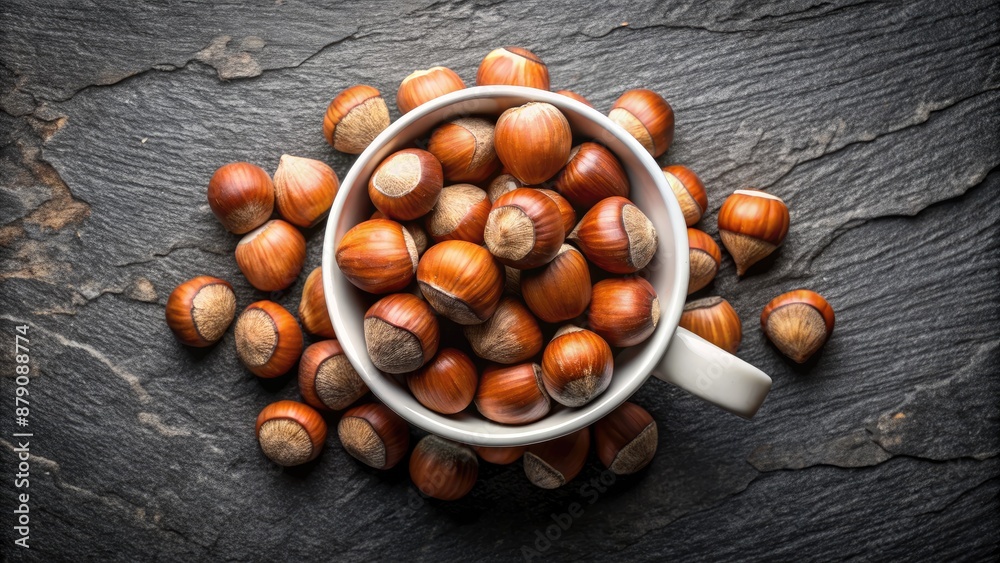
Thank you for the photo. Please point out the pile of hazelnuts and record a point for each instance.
(484, 219)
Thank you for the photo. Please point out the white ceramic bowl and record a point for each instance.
(691, 363)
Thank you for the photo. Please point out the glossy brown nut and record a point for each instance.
(510, 336)
(374, 435)
(268, 340)
(304, 189)
(406, 185)
(647, 117)
(560, 290)
(752, 225)
(290, 433)
(624, 311)
(461, 281)
(592, 173)
(565, 209)
(313, 314)
(460, 214)
(500, 455)
(626, 439)
(689, 192)
(616, 236)
(525, 229)
(576, 366)
(512, 394)
(798, 323)
(443, 469)
(401, 333)
(447, 384)
(200, 310)
(552, 464)
(378, 256)
(533, 141)
(513, 66)
(354, 118)
(241, 196)
(423, 86)
(704, 258)
(327, 380)
(272, 255)
(715, 320)
(465, 148)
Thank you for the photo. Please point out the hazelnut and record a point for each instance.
(552, 464)
(304, 190)
(241, 196)
(688, 190)
(447, 384)
(500, 455)
(502, 184)
(510, 336)
(461, 281)
(512, 394)
(200, 310)
(272, 255)
(313, 314)
(460, 214)
(715, 320)
(290, 433)
(374, 435)
(401, 333)
(406, 185)
(268, 340)
(704, 258)
(442, 469)
(513, 66)
(417, 232)
(798, 323)
(576, 366)
(565, 209)
(327, 380)
(465, 148)
(592, 173)
(647, 117)
(561, 289)
(752, 225)
(616, 236)
(378, 256)
(533, 141)
(423, 86)
(525, 229)
(626, 439)
(624, 311)
(354, 118)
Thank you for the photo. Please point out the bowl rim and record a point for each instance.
(670, 310)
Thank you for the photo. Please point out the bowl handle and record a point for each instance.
(710, 373)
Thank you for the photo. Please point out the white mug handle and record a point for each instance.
(710, 373)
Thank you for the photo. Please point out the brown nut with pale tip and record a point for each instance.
(406, 185)
(525, 229)
(354, 118)
(200, 310)
(447, 384)
(465, 148)
(460, 214)
(647, 117)
(616, 236)
(422, 86)
(533, 141)
(502, 184)
(510, 336)
(576, 366)
(624, 311)
(417, 232)
(513, 66)
(327, 380)
(591, 174)
(752, 225)
(268, 340)
(626, 439)
(461, 281)
(715, 320)
(574, 96)
(313, 314)
(241, 196)
(401, 333)
(304, 189)
(704, 258)
(374, 435)
(272, 255)
(566, 210)
(378, 256)
(552, 464)
(798, 323)
(512, 394)
(688, 190)
(290, 433)
(500, 455)
(560, 290)
(443, 469)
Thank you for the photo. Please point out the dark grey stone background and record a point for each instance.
(877, 122)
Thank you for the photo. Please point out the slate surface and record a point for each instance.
(876, 121)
